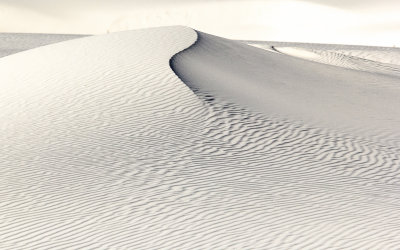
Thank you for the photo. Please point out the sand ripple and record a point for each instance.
(102, 146)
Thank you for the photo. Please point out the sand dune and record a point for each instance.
(107, 142)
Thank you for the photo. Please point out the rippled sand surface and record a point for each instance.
(169, 138)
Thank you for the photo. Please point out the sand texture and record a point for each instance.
(169, 138)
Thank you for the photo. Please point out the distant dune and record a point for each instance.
(11, 43)
(169, 138)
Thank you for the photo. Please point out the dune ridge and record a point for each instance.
(151, 139)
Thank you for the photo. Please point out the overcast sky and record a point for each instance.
(367, 22)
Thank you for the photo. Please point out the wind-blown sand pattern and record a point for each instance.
(104, 146)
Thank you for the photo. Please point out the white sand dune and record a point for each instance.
(103, 145)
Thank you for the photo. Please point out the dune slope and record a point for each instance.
(103, 145)
(286, 85)
(292, 120)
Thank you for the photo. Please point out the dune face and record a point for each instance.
(107, 142)
(290, 86)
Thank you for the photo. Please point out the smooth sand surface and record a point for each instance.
(108, 143)
(11, 43)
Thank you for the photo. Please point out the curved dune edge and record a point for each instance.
(103, 146)
(376, 62)
(80, 117)
(364, 103)
(254, 133)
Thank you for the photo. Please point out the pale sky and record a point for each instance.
(367, 22)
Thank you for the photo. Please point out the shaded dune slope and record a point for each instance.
(293, 87)
(103, 146)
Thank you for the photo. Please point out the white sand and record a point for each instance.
(102, 146)
(11, 43)
(284, 85)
